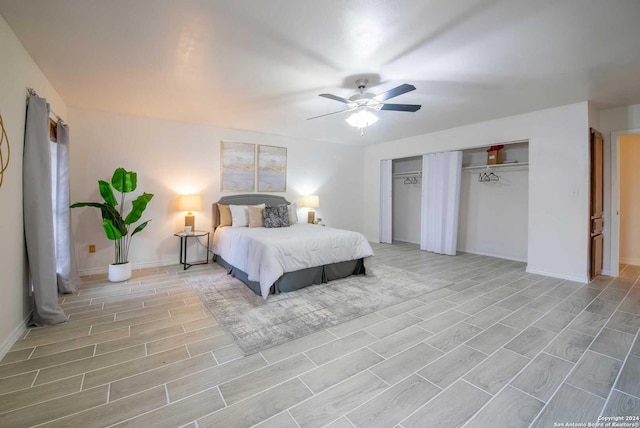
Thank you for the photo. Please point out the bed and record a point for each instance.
(276, 260)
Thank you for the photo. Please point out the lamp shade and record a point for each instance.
(309, 201)
(190, 203)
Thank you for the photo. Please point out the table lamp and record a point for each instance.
(190, 203)
(311, 202)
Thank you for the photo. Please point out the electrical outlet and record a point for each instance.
(92, 248)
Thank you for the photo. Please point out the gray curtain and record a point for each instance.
(68, 279)
(38, 214)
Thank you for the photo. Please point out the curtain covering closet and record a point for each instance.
(441, 177)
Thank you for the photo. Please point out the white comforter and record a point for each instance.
(266, 253)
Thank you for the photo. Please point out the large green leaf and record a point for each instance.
(110, 230)
(139, 205)
(124, 181)
(140, 227)
(110, 213)
(107, 193)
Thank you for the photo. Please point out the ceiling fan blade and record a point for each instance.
(335, 98)
(329, 114)
(401, 107)
(399, 90)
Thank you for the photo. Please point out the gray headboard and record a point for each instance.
(247, 199)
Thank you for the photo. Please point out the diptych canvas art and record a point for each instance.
(238, 169)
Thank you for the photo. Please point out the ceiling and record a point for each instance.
(259, 65)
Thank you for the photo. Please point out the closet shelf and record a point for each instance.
(500, 166)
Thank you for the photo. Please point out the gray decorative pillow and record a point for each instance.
(277, 216)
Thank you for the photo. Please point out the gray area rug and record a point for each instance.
(257, 324)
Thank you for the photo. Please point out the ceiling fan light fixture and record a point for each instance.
(363, 101)
(361, 119)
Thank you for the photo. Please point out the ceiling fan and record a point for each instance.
(363, 102)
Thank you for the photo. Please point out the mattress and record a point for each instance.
(265, 254)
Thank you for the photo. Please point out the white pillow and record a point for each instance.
(240, 215)
(293, 214)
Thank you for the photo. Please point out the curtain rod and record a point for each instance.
(33, 92)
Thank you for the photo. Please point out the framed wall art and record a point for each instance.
(272, 169)
(237, 167)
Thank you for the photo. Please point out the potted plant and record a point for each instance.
(115, 226)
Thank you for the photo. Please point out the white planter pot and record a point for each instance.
(119, 273)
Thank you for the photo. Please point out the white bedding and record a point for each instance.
(267, 253)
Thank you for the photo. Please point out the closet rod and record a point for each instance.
(506, 166)
(402, 174)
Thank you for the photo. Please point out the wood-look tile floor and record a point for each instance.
(498, 347)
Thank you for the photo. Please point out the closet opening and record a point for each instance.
(494, 202)
(492, 206)
(406, 195)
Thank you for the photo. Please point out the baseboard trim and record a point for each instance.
(631, 262)
(582, 280)
(405, 242)
(16, 334)
(500, 256)
(142, 265)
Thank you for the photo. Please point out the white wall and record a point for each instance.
(407, 202)
(173, 158)
(611, 121)
(19, 71)
(558, 206)
(630, 200)
(619, 119)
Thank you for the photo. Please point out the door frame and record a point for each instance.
(614, 259)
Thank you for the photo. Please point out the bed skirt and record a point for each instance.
(292, 281)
